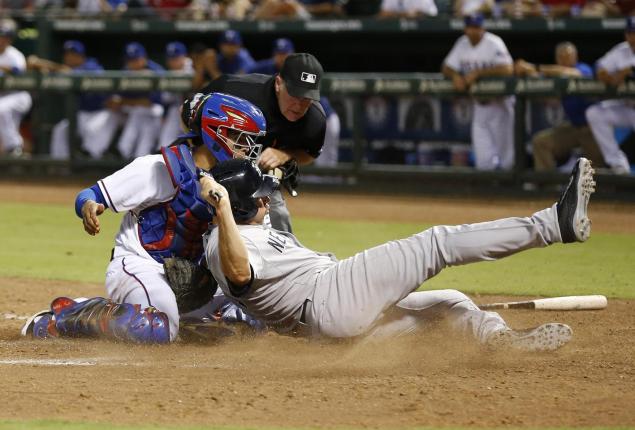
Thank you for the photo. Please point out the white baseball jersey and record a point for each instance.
(13, 104)
(424, 6)
(11, 58)
(143, 183)
(620, 57)
(282, 272)
(489, 52)
(604, 116)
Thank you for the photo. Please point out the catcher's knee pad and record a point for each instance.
(145, 326)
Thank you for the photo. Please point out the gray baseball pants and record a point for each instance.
(351, 297)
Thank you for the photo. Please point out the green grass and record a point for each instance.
(48, 241)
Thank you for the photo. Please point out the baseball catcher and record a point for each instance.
(159, 247)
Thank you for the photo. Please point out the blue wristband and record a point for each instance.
(92, 193)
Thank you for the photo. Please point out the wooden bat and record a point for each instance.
(569, 303)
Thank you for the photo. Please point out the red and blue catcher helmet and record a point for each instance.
(228, 126)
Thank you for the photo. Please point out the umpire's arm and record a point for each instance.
(274, 157)
(233, 254)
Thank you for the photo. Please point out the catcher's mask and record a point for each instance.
(228, 126)
(244, 183)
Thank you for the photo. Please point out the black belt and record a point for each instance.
(303, 313)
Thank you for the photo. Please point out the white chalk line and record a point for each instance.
(12, 316)
(84, 362)
(46, 362)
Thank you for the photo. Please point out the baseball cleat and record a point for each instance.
(575, 226)
(40, 326)
(547, 337)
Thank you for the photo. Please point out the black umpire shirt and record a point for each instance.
(307, 133)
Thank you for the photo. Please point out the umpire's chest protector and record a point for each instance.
(175, 228)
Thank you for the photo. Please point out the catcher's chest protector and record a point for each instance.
(175, 228)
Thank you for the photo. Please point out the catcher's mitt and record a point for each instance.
(193, 285)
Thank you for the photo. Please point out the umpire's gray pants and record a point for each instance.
(352, 296)
(278, 212)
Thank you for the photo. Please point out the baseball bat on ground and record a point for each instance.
(569, 303)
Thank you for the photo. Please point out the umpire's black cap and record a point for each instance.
(302, 73)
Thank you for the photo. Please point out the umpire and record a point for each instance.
(296, 123)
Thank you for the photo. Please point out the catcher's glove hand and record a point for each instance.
(288, 176)
(193, 285)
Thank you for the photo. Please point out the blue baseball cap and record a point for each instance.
(175, 49)
(473, 20)
(630, 24)
(231, 37)
(135, 50)
(283, 46)
(74, 46)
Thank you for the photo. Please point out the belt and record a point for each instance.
(302, 328)
(303, 314)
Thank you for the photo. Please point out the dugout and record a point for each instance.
(353, 45)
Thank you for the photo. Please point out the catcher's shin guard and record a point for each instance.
(99, 317)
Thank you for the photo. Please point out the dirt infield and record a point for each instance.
(431, 379)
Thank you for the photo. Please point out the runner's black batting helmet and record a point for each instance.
(244, 183)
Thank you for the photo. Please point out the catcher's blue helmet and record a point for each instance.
(228, 125)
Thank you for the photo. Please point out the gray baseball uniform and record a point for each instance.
(349, 297)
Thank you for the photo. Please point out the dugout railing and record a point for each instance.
(357, 173)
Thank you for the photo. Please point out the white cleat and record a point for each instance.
(547, 337)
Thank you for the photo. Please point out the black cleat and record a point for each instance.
(574, 224)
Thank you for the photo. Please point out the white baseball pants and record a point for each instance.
(138, 280)
(493, 134)
(603, 118)
(141, 132)
(13, 107)
(96, 130)
(330, 149)
(171, 126)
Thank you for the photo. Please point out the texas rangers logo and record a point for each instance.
(309, 78)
